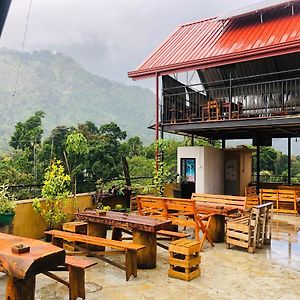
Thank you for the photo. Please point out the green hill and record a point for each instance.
(68, 94)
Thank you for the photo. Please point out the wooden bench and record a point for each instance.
(226, 201)
(76, 267)
(284, 201)
(130, 249)
(182, 212)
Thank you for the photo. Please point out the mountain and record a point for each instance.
(68, 94)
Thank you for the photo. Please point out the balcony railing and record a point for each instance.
(231, 99)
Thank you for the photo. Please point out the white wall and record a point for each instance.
(213, 166)
(209, 168)
(192, 152)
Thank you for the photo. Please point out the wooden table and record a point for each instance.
(143, 229)
(216, 228)
(23, 268)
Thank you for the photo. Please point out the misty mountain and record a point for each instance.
(68, 94)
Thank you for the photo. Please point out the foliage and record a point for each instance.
(55, 191)
(29, 133)
(7, 200)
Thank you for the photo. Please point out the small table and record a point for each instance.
(22, 268)
(216, 228)
(143, 229)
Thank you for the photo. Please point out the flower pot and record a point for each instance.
(6, 218)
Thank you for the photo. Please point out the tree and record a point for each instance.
(29, 133)
(76, 146)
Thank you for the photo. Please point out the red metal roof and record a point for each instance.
(210, 43)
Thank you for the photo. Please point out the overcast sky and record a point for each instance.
(109, 38)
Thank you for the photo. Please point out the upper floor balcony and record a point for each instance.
(271, 95)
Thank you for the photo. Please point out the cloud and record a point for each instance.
(108, 38)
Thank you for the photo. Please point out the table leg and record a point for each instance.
(146, 258)
(216, 229)
(20, 289)
(116, 234)
(96, 229)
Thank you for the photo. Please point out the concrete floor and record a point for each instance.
(270, 273)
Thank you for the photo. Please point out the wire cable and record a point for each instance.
(22, 48)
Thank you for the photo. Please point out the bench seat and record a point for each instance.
(130, 249)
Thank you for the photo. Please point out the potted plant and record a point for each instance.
(7, 205)
(55, 192)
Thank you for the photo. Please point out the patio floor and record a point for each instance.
(270, 273)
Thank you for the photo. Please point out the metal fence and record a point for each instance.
(231, 99)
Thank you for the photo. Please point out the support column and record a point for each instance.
(223, 143)
(157, 120)
(193, 140)
(289, 159)
(257, 169)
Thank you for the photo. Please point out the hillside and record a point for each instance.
(68, 94)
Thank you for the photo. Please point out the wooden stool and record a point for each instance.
(184, 259)
(75, 227)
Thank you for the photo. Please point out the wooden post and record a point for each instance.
(20, 289)
(76, 283)
(146, 258)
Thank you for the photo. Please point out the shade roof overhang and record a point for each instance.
(4, 7)
(275, 127)
(213, 42)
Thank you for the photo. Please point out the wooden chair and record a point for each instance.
(251, 231)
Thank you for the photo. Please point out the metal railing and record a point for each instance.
(231, 99)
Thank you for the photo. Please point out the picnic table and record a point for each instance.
(23, 268)
(143, 229)
(216, 228)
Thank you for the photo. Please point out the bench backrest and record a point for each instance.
(251, 196)
(167, 208)
(226, 200)
(284, 200)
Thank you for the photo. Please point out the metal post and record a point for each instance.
(223, 143)
(257, 169)
(192, 140)
(157, 121)
(289, 159)
(230, 94)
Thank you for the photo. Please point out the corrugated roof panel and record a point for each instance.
(211, 42)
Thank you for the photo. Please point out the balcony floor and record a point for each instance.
(277, 127)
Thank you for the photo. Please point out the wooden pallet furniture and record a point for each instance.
(184, 259)
(251, 196)
(251, 231)
(129, 249)
(284, 201)
(76, 267)
(264, 231)
(143, 229)
(182, 212)
(174, 235)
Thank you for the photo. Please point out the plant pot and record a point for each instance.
(6, 218)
